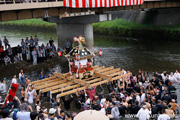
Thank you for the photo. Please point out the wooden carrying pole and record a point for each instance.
(93, 85)
(67, 84)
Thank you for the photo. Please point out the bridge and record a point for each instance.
(72, 20)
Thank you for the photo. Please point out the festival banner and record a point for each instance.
(100, 3)
(12, 93)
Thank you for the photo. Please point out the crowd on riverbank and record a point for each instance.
(137, 95)
(30, 50)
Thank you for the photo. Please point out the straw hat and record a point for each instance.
(91, 115)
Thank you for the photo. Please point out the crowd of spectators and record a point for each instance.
(142, 95)
(30, 50)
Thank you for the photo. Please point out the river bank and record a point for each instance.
(117, 27)
(14, 69)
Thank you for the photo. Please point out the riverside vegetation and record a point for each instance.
(117, 27)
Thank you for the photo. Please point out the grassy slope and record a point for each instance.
(124, 24)
(30, 23)
(115, 24)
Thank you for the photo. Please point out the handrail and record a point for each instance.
(25, 1)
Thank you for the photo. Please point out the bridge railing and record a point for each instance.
(25, 1)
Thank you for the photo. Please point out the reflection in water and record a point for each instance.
(128, 53)
(133, 54)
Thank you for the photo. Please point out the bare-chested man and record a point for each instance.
(169, 112)
(173, 104)
(27, 81)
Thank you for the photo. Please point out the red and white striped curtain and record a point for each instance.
(100, 3)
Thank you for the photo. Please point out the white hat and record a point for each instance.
(45, 110)
(52, 111)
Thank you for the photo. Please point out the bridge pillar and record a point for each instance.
(69, 27)
(69, 31)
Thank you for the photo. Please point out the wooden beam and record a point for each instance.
(96, 66)
(99, 83)
(46, 82)
(117, 73)
(56, 87)
(105, 69)
(71, 92)
(50, 84)
(112, 71)
(99, 68)
(82, 83)
(98, 73)
(95, 80)
(105, 75)
(92, 85)
(46, 79)
(57, 74)
(119, 77)
(66, 88)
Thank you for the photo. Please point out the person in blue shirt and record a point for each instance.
(62, 115)
(41, 76)
(22, 80)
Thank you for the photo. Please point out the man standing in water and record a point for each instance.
(67, 45)
(31, 43)
(177, 75)
(34, 54)
(6, 42)
(51, 41)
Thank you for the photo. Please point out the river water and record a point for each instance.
(128, 53)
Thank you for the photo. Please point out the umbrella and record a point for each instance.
(91, 115)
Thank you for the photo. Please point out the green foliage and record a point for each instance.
(125, 24)
(30, 23)
(114, 27)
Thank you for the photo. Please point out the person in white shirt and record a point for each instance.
(24, 113)
(164, 76)
(30, 95)
(3, 87)
(143, 113)
(34, 54)
(87, 101)
(14, 80)
(137, 97)
(103, 110)
(163, 116)
(103, 100)
(20, 74)
(177, 75)
(115, 111)
(143, 96)
(172, 78)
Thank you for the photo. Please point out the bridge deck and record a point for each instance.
(25, 6)
(14, 10)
